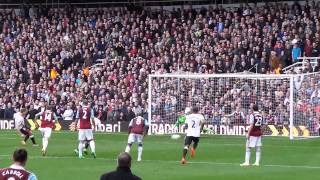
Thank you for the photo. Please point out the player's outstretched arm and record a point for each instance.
(37, 116)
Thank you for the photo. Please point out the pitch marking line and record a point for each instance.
(9, 132)
(217, 144)
(177, 162)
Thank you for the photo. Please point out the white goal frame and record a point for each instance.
(290, 77)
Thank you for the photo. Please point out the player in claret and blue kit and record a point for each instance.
(17, 170)
(85, 118)
(254, 137)
(48, 119)
(138, 128)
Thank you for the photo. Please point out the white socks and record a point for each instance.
(258, 154)
(248, 153)
(128, 148)
(140, 148)
(92, 146)
(80, 148)
(44, 143)
(139, 152)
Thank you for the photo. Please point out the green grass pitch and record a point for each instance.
(218, 157)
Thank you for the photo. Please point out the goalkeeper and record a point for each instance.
(182, 117)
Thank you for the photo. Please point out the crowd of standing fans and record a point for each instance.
(48, 56)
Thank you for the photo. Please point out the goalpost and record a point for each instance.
(290, 104)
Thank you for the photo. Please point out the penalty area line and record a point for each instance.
(176, 162)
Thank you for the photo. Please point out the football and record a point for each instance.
(175, 136)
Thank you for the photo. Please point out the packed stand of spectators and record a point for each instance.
(46, 54)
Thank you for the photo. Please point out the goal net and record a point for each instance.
(290, 104)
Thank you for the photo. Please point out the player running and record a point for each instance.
(85, 119)
(194, 125)
(22, 127)
(254, 137)
(48, 118)
(138, 128)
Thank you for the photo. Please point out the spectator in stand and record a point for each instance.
(315, 51)
(130, 114)
(9, 111)
(32, 113)
(274, 61)
(2, 108)
(68, 114)
(308, 48)
(296, 52)
(46, 59)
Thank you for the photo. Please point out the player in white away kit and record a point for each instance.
(254, 137)
(22, 128)
(194, 124)
(138, 128)
(85, 118)
(48, 118)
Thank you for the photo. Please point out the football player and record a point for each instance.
(193, 125)
(22, 127)
(48, 118)
(254, 137)
(138, 128)
(85, 118)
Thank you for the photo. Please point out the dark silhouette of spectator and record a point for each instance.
(9, 111)
(130, 114)
(123, 170)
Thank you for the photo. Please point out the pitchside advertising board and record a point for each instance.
(167, 128)
(112, 127)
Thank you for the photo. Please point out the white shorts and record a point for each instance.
(135, 138)
(254, 141)
(45, 132)
(85, 134)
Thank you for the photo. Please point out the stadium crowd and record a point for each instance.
(51, 55)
